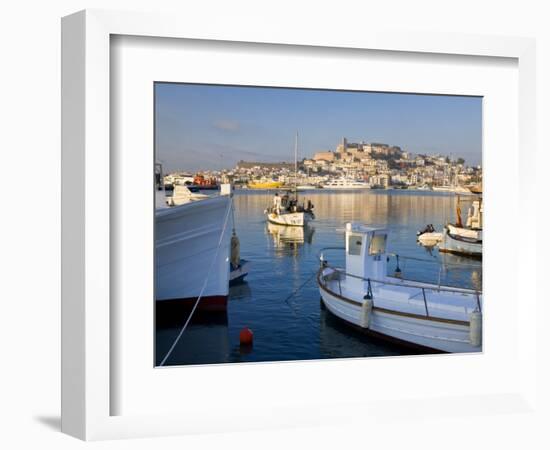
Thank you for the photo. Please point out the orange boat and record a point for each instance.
(205, 183)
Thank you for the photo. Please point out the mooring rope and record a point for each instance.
(293, 293)
(306, 318)
(180, 334)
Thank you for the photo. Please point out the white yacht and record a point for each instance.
(346, 183)
(425, 316)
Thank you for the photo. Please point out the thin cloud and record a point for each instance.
(226, 125)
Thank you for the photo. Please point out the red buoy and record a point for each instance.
(246, 336)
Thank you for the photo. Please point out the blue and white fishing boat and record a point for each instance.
(425, 316)
(287, 210)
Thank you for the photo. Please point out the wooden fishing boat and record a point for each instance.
(425, 316)
(287, 210)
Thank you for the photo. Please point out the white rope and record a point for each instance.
(203, 286)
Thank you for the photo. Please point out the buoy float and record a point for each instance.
(366, 312)
(246, 336)
(397, 273)
(475, 328)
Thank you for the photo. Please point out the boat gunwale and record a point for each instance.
(167, 211)
(390, 339)
(302, 225)
(421, 285)
(465, 239)
(324, 287)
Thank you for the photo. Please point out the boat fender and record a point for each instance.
(366, 312)
(235, 250)
(475, 328)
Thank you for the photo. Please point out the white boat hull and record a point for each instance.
(465, 232)
(296, 219)
(350, 187)
(405, 325)
(430, 239)
(460, 245)
(187, 253)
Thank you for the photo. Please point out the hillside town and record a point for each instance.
(374, 165)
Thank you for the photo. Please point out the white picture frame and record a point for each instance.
(87, 355)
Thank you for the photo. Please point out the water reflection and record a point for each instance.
(454, 263)
(205, 341)
(240, 291)
(338, 340)
(285, 236)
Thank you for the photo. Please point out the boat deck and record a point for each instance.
(411, 298)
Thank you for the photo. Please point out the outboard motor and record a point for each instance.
(428, 229)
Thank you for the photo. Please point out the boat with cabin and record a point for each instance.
(346, 183)
(205, 183)
(182, 178)
(425, 316)
(286, 209)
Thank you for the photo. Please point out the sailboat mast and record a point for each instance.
(296, 167)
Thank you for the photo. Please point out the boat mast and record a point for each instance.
(296, 167)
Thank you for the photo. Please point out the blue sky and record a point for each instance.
(209, 127)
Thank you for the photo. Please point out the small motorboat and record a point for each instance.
(287, 210)
(427, 229)
(430, 239)
(428, 317)
(428, 236)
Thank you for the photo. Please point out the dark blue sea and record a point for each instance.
(279, 301)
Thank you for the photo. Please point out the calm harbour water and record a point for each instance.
(284, 261)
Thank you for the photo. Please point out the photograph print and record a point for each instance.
(306, 224)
